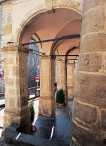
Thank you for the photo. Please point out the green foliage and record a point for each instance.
(31, 108)
(60, 96)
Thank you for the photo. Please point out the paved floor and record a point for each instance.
(57, 129)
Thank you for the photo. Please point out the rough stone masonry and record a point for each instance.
(89, 113)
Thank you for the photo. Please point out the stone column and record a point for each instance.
(70, 80)
(61, 77)
(47, 97)
(89, 109)
(16, 89)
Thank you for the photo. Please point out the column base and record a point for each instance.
(23, 121)
(47, 107)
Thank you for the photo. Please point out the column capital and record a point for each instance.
(60, 61)
(14, 49)
(46, 57)
(9, 48)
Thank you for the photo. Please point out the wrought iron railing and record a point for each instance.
(36, 91)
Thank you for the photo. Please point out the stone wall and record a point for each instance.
(16, 95)
(1, 56)
(89, 112)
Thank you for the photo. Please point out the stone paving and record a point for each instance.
(61, 125)
(57, 129)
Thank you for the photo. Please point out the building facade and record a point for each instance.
(59, 19)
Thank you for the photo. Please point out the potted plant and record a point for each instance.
(60, 98)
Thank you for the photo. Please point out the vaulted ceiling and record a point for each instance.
(58, 23)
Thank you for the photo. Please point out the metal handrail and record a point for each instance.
(29, 89)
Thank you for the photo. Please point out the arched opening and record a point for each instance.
(60, 23)
(71, 62)
(63, 25)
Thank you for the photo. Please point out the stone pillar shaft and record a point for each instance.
(47, 99)
(61, 77)
(16, 89)
(70, 80)
(89, 112)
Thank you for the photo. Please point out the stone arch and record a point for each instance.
(70, 50)
(40, 10)
(70, 71)
(57, 44)
(29, 17)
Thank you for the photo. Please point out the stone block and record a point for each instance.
(9, 60)
(93, 42)
(12, 101)
(72, 4)
(18, 102)
(17, 89)
(86, 137)
(25, 118)
(103, 119)
(97, 23)
(17, 119)
(9, 81)
(23, 57)
(23, 70)
(7, 71)
(23, 81)
(70, 92)
(7, 29)
(5, 118)
(84, 112)
(91, 62)
(24, 101)
(15, 71)
(10, 132)
(49, 5)
(92, 3)
(30, 140)
(24, 92)
(9, 18)
(47, 107)
(90, 88)
(24, 110)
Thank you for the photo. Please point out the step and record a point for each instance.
(20, 139)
